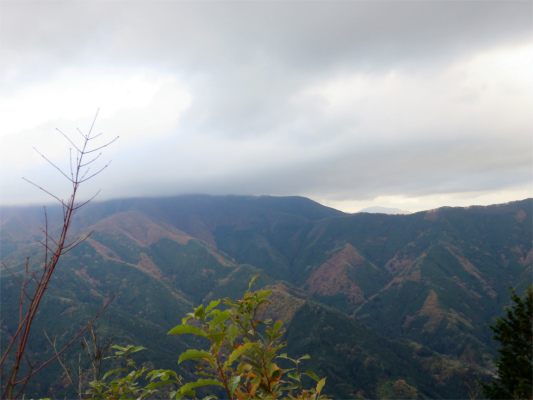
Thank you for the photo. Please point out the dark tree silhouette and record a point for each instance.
(514, 332)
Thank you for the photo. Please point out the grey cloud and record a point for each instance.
(308, 36)
(356, 171)
(246, 63)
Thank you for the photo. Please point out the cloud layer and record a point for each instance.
(412, 104)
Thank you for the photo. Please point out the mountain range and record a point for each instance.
(373, 298)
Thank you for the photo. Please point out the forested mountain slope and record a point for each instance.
(431, 279)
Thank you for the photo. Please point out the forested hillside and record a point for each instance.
(373, 298)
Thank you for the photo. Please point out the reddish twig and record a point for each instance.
(54, 250)
(89, 324)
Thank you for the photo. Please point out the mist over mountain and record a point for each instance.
(373, 298)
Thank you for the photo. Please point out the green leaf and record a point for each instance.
(276, 374)
(161, 373)
(250, 284)
(217, 337)
(284, 355)
(112, 372)
(263, 293)
(255, 383)
(180, 393)
(116, 346)
(212, 305)
(277, 326)
(193, 354)
(291, 387)
(270, 354)
(136, 349)
(200, 373)
(313, 375)
(237, 353)
(254, 364)
(305, 357)
(234, 383)
(199, 383)
(219, 319)
(180, 329)
(154, 385)
(294, 376)
(271, 368)
(320, 385)
(199, 312)
(233, 330)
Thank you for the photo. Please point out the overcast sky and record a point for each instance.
(406, 104)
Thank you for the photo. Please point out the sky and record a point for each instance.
(405, 104)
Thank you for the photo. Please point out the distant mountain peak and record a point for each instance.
(384, 210)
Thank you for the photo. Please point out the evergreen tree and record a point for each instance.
(515, 365)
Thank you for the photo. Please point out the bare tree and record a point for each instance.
(33, 284)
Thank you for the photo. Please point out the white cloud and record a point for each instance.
(429, 202)
(133, 103)
(476, 97)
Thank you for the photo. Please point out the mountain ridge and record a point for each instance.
(433, 279)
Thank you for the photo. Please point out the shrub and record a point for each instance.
(240, 360)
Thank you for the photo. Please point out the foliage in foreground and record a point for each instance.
(128, 384)
(515, 366)
(241, 360)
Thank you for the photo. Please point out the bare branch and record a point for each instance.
(90, 162)
(71, 142)
(25, 383)
(102, 147)
(88, 201)
(11, 273)
(71, 166)
(89, 324)
(84, 174)
(47, 248)
(46, 191)
(16, 335)
(54, 249)
(94, 137)
(46, 235)
(53, 165)
(92, 125)
(96, 173)
(75, 243)
(60, 359)
(34, 278)
(82, 135)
